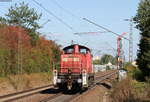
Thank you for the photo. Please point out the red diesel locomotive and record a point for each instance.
(75, 68)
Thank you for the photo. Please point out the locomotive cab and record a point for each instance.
(75, 68)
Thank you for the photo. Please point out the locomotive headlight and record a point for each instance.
(79, 80)
(58, 80)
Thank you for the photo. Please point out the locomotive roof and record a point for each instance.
(71, 46)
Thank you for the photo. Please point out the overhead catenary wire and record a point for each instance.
(52, 14)
(91, 32)
(68, 12)
(45, 22)
(65, 10)
(103, 28)
(59, 19)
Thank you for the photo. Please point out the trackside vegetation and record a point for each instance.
(23, 57)
(136, 88)
(142, 19)
(22, 48)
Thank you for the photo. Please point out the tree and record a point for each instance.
(3, 21)
(97, 61)
(21, 57)
(142, 19)
(22, 15)
(107, 58)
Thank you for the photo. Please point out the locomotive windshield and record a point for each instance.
(69, 50)
(76, 49)
(83, 50)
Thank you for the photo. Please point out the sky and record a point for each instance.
(107, 13)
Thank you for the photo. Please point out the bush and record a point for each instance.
(123, 92)
(137, 74)
(108, 68)
(134, 72)
(129, 90)
(129, 67)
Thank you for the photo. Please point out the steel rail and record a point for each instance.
(102, 78)
(20, 94)
(77, 95)
(51, 97)
(105, 76)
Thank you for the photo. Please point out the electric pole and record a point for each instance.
(130, 39)
(120, 51)
(118, 35)
(20, 70)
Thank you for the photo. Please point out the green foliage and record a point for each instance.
(25, 58)
(142, 20)
(22, 15)
(137, 74)
(107, 58)
(133, 71)
(3, 20)
(129, 67)
(27, 18)
(108, 68)
(22, 50)
(129, 90)
(96, 61)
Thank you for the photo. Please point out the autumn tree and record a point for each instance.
(9, 52)
(31, 59)
(22, 15)
(18, 34)
(142, 20)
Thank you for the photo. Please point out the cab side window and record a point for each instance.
(83, 50)
(69, 50)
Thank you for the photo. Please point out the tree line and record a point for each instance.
(142, 21)
(22, 48)
(105, 59)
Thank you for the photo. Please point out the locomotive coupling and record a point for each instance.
(69, 81)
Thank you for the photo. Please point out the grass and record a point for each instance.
(24, 81)
(130, 90)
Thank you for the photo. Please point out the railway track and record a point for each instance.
(74, 96)
(98, 80)
(17, 95)
(105, 76)
(60, 96)
(51, 97)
